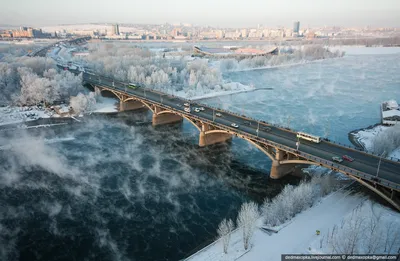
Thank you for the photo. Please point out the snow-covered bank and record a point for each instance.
(227, 89)
(12, 115)
(366, 137)
(297, 237)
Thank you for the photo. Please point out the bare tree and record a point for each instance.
(224, 231)
(246, 220)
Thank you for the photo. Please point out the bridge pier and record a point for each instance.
(209, 137)
(131, 105)
(165, 118)
(213, 138)
(280, 170)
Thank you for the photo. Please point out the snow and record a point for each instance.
(395, 154)
(296, 236)
(105, 105)
(11, 115)
(390, 113)
(368, 214)
(366, 137)
(392, 104)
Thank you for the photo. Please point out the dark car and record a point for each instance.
(265, 128)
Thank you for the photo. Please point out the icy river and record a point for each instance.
(113, 189)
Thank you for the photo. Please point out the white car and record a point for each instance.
(197, 110)
(218, 114)
(234, 125)
(201, 108)
(187, 109)
(186, 104)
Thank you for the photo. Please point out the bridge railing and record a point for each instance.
(260, 121)
(324, 162)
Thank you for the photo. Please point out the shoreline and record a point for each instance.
(355, 141)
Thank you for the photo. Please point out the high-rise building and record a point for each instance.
(296, 27)
(115, 29)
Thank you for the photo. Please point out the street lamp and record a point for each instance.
(379, 164)
(258, 128)
(213, 114)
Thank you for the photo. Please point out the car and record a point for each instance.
(201, 108)
(187, 109)
(179, 105)
(337, 159)
(247, 123)
(265, 128)
(186, 104)
(234, 125)
(196, 109)
(348, 158)
(218, 114)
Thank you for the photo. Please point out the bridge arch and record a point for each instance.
(116, 94)
(300, 162)
(217, 131)
(263, 150)
(183, 116)
(141, 101)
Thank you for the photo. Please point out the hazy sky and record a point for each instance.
(223, 13)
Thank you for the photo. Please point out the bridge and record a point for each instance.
(277, 143)
(43, 51)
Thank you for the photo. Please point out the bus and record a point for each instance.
(309, 137)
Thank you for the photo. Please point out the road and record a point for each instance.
(363, 162)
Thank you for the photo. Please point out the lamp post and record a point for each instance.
(379, 164)
(213, 114)
(258, 128)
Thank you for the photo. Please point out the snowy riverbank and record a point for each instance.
(15, 115)
(298, 236)
(365, 138)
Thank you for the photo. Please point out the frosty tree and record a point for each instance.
(246, 219)
(224, 231)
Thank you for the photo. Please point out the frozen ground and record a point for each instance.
(366, 137)
(10, 115)
(296, 237)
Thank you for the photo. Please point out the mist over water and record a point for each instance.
(109, 190)
(327, 98)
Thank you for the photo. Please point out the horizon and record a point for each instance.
(357, 13)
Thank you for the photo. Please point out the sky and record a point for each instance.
(217, 13)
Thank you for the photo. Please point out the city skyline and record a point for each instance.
(218, 14)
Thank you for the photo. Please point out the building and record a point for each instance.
(243, 33)
(296, 27)
(115, 29)
(390, 111)
(237, 53)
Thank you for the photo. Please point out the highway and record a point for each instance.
(367, 163)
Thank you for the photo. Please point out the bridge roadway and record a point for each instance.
(389, 172)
